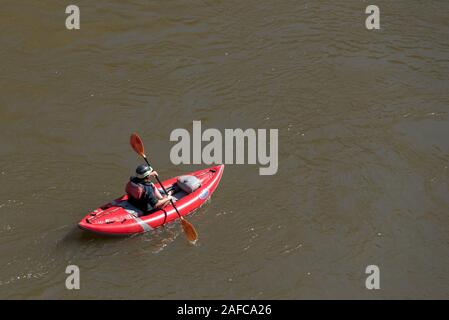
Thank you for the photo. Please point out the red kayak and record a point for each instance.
(120, 217)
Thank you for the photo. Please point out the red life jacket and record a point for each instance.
(134, 190)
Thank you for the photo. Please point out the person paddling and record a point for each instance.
(142, 192)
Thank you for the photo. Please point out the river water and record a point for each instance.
(363, 146)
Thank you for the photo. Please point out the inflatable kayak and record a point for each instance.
(120, 217)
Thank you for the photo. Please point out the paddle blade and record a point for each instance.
(137, 144)
(189, 230)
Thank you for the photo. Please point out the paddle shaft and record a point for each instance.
(163, 188)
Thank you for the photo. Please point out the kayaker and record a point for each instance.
(142, 192)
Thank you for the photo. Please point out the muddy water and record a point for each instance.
(363, 146)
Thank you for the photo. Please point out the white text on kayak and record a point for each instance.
(234, 144)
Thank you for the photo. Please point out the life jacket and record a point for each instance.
(135, 190)
(142, 194)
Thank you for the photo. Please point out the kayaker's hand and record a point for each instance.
(153, 173)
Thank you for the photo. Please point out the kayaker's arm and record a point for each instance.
(163, 202)
(157, 193)
(153, 173)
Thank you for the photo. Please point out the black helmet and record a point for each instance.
(143, 171)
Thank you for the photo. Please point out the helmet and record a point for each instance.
(143, 171)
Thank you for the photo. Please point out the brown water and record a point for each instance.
(363, 146)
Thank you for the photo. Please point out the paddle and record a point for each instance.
(189, 230)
